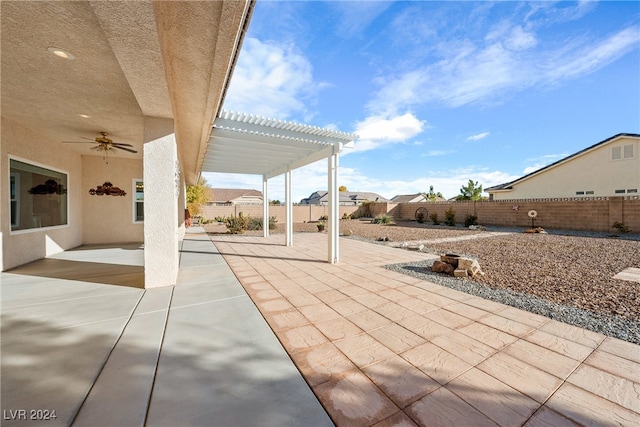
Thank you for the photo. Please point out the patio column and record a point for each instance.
(161, 219)
(333, 228)
(289, 208)
(265, 208)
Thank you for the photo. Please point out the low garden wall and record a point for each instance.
(585, 214)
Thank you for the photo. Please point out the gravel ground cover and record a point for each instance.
(565, 275)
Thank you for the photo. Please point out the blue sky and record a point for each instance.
(440, 92)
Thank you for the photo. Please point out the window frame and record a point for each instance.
(18, 209)
(135, 201)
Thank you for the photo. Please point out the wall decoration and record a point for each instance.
(50, 186)
(107, 189)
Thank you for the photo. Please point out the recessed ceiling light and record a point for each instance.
(61, 53)
(84, 116)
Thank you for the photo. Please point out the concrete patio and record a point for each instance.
(79, 338)
(375, 347)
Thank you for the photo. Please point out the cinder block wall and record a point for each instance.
(586, 214)
(594, 214)
(301, 213)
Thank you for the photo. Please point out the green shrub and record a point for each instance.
(347, 216)
(450, 217)
(470, 220)
(237, 224)
(434, 218)
(324, 218)
(382, 219)
(621, 227)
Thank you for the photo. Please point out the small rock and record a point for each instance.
(459, 272)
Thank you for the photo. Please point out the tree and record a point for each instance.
(471, 191)
(275, 202)
(342, 189)
(432, 195)
(197, 195)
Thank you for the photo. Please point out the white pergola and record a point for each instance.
(256, 145)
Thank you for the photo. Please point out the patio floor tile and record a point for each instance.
(437, 363)
(503, 404)
(621, 391)
(353, 400)
(443, 408)
(396, 338)
(545, 417)
(400, 380)
(323, 363)
(517, 374)
(542, 358)
(589, 409)
(363, 350)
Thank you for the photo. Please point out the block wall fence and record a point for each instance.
(584, 214)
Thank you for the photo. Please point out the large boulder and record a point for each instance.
(470, 265)
(442, 267)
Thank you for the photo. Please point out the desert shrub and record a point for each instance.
(382, 219)
(347, 216)
(470, 220)
(324, 218)
(620, 227)
(434, 218)
(450, 217)
(237, 224)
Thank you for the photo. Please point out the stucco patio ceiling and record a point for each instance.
(249, 144)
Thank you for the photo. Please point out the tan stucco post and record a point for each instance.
(162, 182)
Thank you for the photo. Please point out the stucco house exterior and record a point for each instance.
(234, 196)
(409, 198)
(151, 75)
(608, 168)
(346, 198)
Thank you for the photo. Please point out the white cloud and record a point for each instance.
(509, 59)
(542, 161)
(478, 136)
(271, 80)
(378, 131)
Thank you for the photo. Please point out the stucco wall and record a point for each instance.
(109, 219)
(593, 171)
(26, 246)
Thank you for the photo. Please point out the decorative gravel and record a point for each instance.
(610, 325)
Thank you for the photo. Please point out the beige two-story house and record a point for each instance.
(608, 168)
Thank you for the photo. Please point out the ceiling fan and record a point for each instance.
(104, 144)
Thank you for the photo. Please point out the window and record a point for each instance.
(632, 190)
(138, 200)
(38, 196)
(622, 152)
(628, 151)
(579, 193)
(619, 191)
(589, 192)
(616, 153)
(15, 199)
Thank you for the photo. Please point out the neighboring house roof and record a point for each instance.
(344, 197)
(409, 198)
(508, 186)
(228, 195)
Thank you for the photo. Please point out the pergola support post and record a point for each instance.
(288, 209)
(333, 225)
(265, 208)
